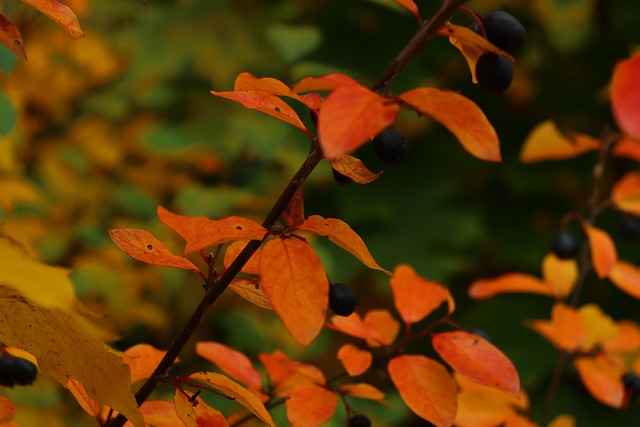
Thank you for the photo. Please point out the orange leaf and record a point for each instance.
(350, 116)
(89, 404)
(353, 168)
(7, 410)
(12, 39)
(363, 391)
(249, 289)
(626, 276)
(560, 274)
(479, 409)
(339, 233)
(601, 379)
(243, 396)
(356, 361)
(142, 360)
(141, 245)
(293, 215)
(627, 340)
(478, 360)
(515, 419)
(600, 327)
(384, 325)
(160, 413)
(546, 142)
(231, 362)
(625, 194)
(603, 251)
(354, 326)
(60, 13)
(411, 7)
(563, 421)
(310, 405)
(196, 413)
(296, 285)
(200, 232)
(415, 297)
(327, 82)
(627, 147)
(232, 251)
(625, 96)
(566, 330)
(461, 116)
(287, 374)
(426, 387)
(512, 282)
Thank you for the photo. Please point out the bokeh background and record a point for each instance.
(95, 133)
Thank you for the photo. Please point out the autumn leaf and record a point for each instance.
(339, 233)
(627, 147)
(511, 282)
(350, 116)
(478, 360)
(560, 274)
(327, 82)
(40, 314)
(363, 391)
(354, 325)
(196, 413)
(563, 421)
(353, 168)
(249, 288)
(355, 360)
(231, 362)
(295, 283)
(416, 297)
(625, 194)
(160, 413)
(7, 410)
(426, 387)
(293, 214)
(11, 38)
(142, 360)
(600, 327)
(310, 406)
(385, 326)
(626, 276)
(626, 340)
(546, 142)
(566, 330)
(411, 6)
(141, 245)
(461, 116)
(90, 405)
(242, 396)
(601, 379)
(200, 232)
(625, 96)
(60, 13)
(287, 374)
(232, 251)
(603, 250)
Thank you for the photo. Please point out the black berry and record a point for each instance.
(6, 375)
(15, 370)
(390, 147)
(340, 178)
(494, 72)
(632, 383)
(565, 246)
(503, 30)
(342, 299)
(360, 421)
(630, 227)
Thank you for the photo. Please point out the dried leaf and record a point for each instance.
(141, 245)
(461, 116)
(310, 406)
(625, 194)
(295, 283)
(626, 276)
(11, 38)
(546, 142)
(603, 251)
(196, 413)
(416, 297)
(426, 387)
(601, 379)
(478, 360)
(249, 288)
(293, 215)
(625, 96)
(142, 360)
(560, 274)
(363, 391)
(355, 360)
(339, 233)
(231, 362)
(353, 168)
(566, 330)
(60, 13)
(350, 116)
(512, 282)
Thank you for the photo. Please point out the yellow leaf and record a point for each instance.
(546, 142)
(560, 274)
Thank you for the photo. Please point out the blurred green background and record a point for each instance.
(96, 133)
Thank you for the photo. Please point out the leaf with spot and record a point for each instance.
(141, 245)
(11, 38)
(60, 13)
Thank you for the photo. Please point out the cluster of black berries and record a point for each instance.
(15, 370)
(495, 72)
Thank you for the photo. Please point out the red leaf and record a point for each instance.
(353, 168)
(411, 7)
(626, 276)
(327, 82)
(356, 361)
(232, 251)
(350, 116)
(627, 147)
(603, 251)
(296, 285)
(511, 282)
(461, 116)
(478, 360)
(546, 142)
(10, 37)
(197, 413)
(341, 234)
(293, 215)
(142, 359)
(426, 387)
(141, 245)
(60, 13)
(602, 379)
(249, 289)
(231, 362)
(310, 405)
(625, 96)
(416, 297)
(625, 194)
(200, 232)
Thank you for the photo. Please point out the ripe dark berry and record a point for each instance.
(342, 299)
(632, 383)
(565, 246)
(390, 147)
(340, 178)
(494, 72)
(6, 376)
(503, 30)
(360, 421)
(15, 370)
(630, 227)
